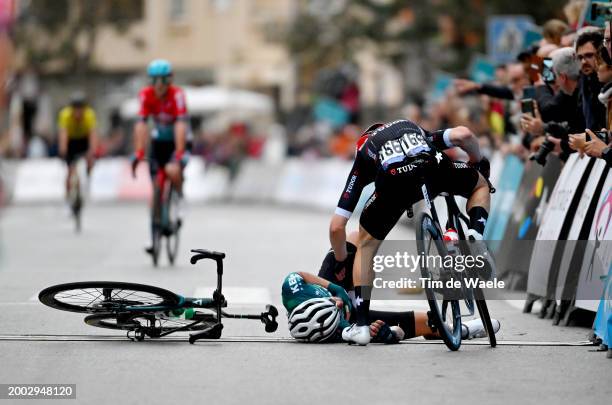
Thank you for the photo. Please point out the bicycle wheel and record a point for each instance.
(448, 323)
(151, 324)
(174, 224)
(108, 296)
(76, 201)
(156, 226)
(479, 298)
(483, 310)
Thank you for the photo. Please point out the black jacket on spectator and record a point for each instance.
(594, 112)
(561, 107)
(492, 90)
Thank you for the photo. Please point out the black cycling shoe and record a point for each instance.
(149, 250)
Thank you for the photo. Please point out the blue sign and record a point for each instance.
(481, 70)
(506, 36)
(441, 82)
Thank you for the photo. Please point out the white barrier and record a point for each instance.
(39, 180)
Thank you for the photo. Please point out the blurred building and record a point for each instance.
(228, 42)
(231, 43)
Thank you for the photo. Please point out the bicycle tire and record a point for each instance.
(452, 338)
(172, 239)
(147, 323)
(77, 297)
(156, 231)
(483, 310)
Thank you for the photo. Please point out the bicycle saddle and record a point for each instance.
(206, 254)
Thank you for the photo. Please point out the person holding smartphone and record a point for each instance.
(597, 144)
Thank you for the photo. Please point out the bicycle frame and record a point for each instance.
(454, 216)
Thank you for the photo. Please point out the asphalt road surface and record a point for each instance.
(533, 363)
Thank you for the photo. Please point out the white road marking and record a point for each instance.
(237, 295)
(519, 304)
(266, 339)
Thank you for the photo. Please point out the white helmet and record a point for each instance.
(314, 320)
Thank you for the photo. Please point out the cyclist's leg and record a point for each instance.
(379, 216)
(478, 205)
(175, 168)
(75, 149)
(460, 179)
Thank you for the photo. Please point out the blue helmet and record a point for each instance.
(159, 68)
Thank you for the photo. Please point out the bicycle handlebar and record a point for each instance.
(206, 254)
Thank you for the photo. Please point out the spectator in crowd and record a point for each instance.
(587, 45)
(516, 76)
(561, 106)
(596, 146)
(553, 31)
(28, 88)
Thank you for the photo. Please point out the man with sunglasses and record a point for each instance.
(587, 44)
(166, 105)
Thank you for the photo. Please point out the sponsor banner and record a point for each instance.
(597, 254)
(256, 181)
(573, 254)
(205, 183)
(40, 180)
(542, 271)
(135, 188)
(318, 185)
(507, 184)
(106, 178)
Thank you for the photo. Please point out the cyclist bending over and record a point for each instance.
(395, 156)
(165, 103)
(319, 307)
(77, 134)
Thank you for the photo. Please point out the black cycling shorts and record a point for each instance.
(76, 149)
(344, 278)
(398, 188)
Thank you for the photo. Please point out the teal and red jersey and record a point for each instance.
(164, 111)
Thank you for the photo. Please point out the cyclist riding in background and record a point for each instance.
(77, 134)
(319, 307)
(166, 105)
(395, 156)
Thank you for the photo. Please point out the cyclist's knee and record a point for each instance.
(481, 183)
(364, 237)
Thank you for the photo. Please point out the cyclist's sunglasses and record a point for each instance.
(161, 79)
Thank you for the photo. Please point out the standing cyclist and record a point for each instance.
(165, 103)
(77, 134)
(395, 156)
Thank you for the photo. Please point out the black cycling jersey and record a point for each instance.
(388, 148)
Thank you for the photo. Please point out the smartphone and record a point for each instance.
(529, 92)
(548, 74)
(527, 106)
(603, 135)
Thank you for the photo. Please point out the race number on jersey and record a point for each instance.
(396, 150)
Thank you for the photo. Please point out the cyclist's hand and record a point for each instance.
(339, 292)
(484, 167)
(135, 159)
(375, 327)
(180, 157)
